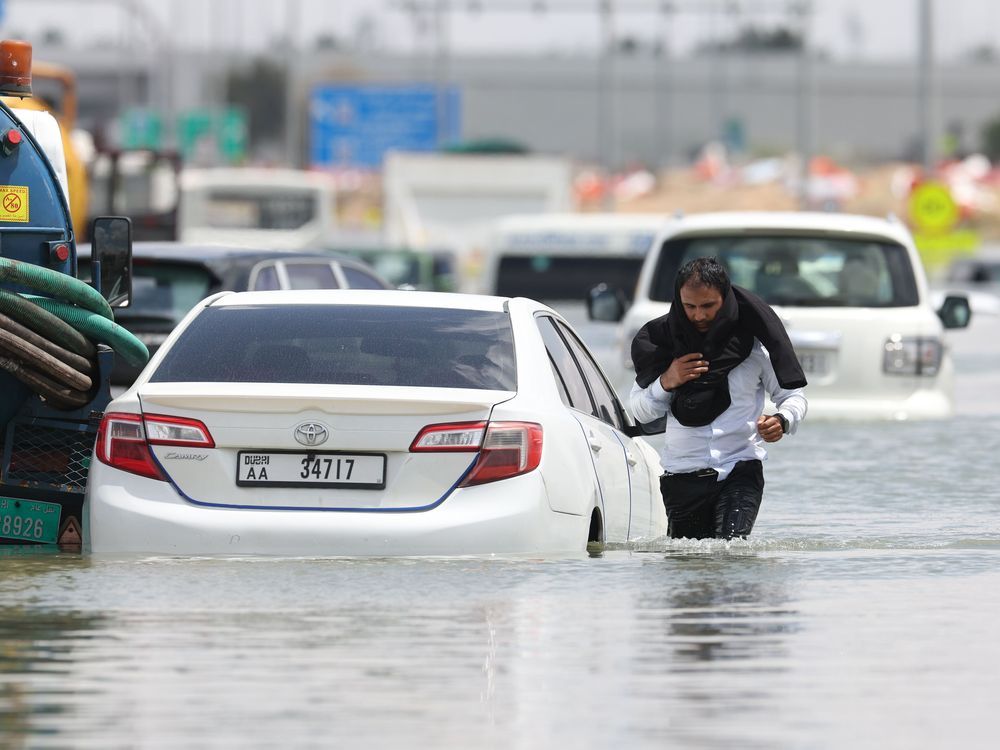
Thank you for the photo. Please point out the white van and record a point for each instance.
(278, 209)
(851, 291)
(559, 257)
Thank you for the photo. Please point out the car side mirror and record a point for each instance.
(955, 311)
(656, 427)
(111, 258)
(606, 304)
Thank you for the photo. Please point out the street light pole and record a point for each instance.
(663, 84)
(441, 98)
(926, 84)
(141, 15)
(292, 122)
(605, 98)
(804, 102)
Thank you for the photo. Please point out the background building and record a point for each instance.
(639, 108)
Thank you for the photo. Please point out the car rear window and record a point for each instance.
(807, 271)
(162, 291)
(310, 276)
(344, 344)
(358, 279)
(564, 277)
(271, 208)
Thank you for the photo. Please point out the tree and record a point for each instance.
(753, 40)
(52, 37)
(260, 92)
(991, 139)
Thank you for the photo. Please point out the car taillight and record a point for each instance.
(506, 449)
(912, 356)
(459, 436)
(509, 449)
(121, 443)
(123, 440)
(163, 430)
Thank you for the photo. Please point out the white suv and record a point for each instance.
(851, 291)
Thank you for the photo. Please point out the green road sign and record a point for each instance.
(215, 134)
(141, 128)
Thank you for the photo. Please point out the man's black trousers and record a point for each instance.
(701, 507)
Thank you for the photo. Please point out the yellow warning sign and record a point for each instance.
(932, 209)
(14, 203)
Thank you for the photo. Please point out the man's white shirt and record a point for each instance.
(730, 438)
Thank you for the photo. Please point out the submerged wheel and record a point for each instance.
(596, 533)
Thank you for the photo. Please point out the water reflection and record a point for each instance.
(37, 649)
(720, 608)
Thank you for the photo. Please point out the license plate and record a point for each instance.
(360, 471)
(29, 520)
(814, 363)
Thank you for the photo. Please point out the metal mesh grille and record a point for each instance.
(50, 457)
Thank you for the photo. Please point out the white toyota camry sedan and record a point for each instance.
(370, 423)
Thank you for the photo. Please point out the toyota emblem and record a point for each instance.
(311, 433)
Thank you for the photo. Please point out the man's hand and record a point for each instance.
(683, 370)
(769, 427)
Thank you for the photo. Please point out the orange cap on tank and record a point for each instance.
(15, 68)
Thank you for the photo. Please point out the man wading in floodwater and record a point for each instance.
(704, 364)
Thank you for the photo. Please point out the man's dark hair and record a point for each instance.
(705, 272)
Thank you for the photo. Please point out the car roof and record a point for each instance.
(790, 221)
(211, 252)
(583, 222)
(378, 250)
(381, 297)
(252, 179)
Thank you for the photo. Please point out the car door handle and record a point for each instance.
(595, 444)
(632, 460)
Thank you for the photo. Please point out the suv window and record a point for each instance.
(799, 270)
(267, 279)
(310, 276)
(358, 279)
(345, 344)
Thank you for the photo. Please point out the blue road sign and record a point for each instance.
(354, 125)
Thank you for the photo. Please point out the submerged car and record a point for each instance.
(169, 278)
(851, 291)
(370, 423)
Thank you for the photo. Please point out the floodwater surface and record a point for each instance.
(861, 613)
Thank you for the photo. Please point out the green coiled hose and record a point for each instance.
(72, 323)
(45, 323)
(55, 284)
(98, 328)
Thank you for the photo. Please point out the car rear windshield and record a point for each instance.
(564, 277)
(162, 291)
(806, 271)
(344, 344)
(271, 208)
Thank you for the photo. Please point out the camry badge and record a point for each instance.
(311, 433)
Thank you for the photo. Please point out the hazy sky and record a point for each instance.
(874, 29)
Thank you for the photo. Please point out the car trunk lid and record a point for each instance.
(333, 447)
